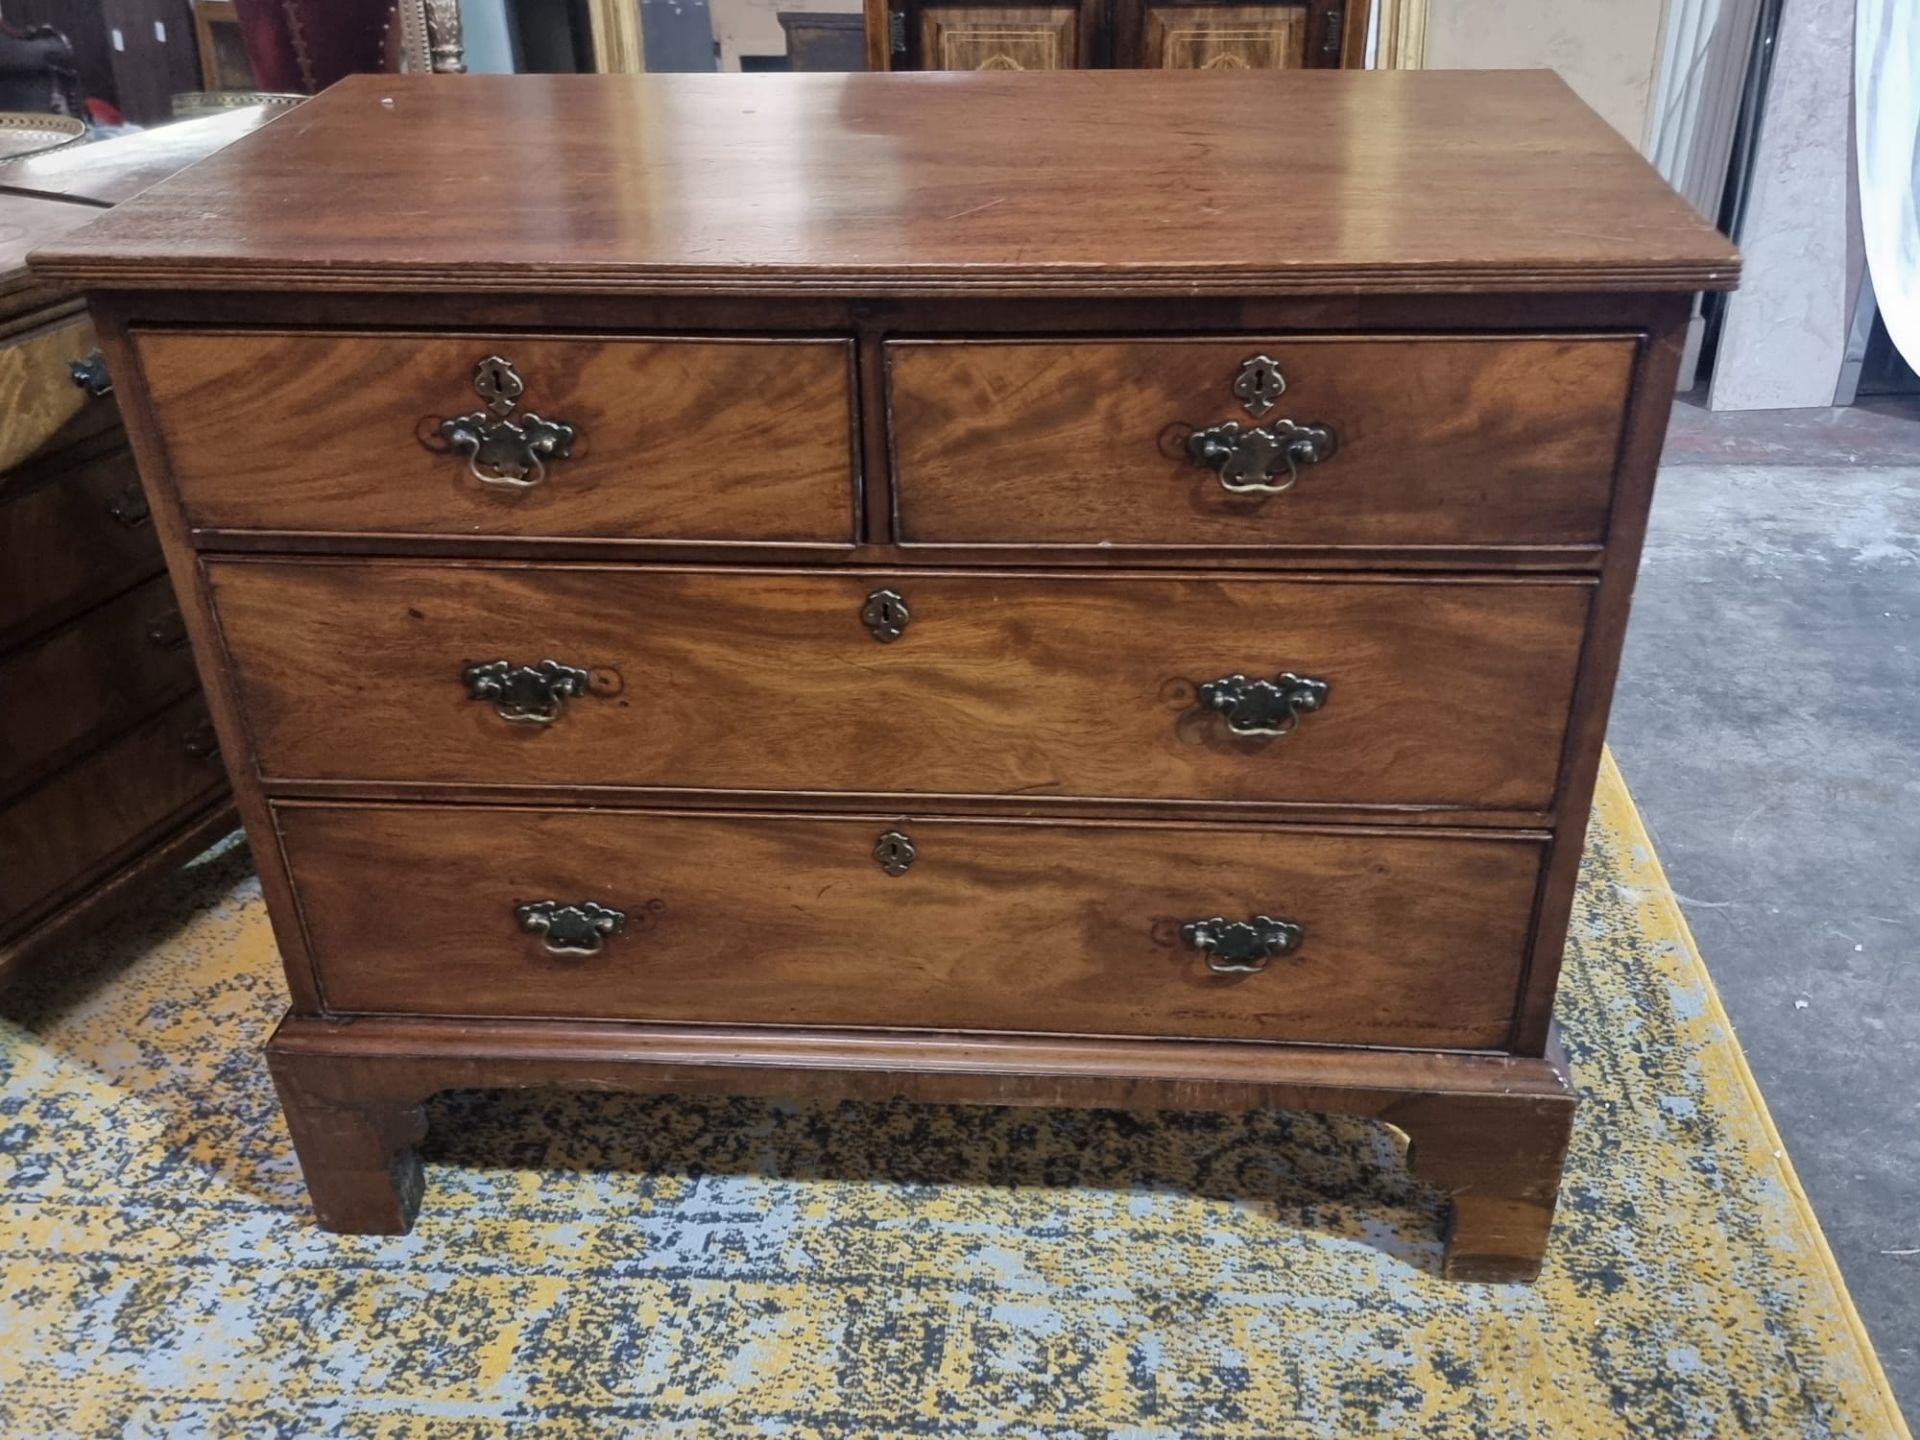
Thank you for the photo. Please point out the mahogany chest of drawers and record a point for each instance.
(1074, 589)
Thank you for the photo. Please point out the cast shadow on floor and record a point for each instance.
(1339, 1176)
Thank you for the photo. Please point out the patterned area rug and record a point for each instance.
(600, 1265)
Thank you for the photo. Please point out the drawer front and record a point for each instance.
(1402, 940)
(1438, 692)
(1393, 441)
(88, 819)
(664, 440)
(73, 542)
(44, 404)
(90, 677)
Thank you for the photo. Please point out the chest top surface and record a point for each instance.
(1076, 183)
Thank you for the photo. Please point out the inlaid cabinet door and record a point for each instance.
(1185, 35)
(1128, 34)
(1226, 37)
(1031, 37)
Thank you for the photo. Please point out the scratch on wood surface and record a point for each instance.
(976, 209)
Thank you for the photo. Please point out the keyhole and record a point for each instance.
(893, 852)
(886, 615)
(497, 383)
(1259, 384)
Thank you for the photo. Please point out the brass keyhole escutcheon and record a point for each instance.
(1259, 385)
(893, 852)
(886, 615)
(498, 383)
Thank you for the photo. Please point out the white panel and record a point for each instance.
(1887, 71)
(1785, 334)
(1703, 66)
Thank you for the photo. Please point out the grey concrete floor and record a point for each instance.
(1768, 723)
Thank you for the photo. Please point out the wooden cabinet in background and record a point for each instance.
(1118, 34)
(1004, 37)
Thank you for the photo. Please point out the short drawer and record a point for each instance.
(1112, 684)
(1409, 442)
(72, 542)
(53, 391)
(1269, 934)
(508, 435)
(63, 834)
(89, 678)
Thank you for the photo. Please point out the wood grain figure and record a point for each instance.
(1492, 441)
(1438, 692)
(1409, 940)
(677, 440)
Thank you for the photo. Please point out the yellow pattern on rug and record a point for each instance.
(612, 1265)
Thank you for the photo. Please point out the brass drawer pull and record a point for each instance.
(1264, 707)
(1242, 947)
(200, 741)
(130, 507)
(503, 452)
(169, 632)
(1249, 459)
(565, 929)
(91, 375)
(524, 694)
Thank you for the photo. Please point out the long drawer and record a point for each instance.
(1088, 928)
(89, 677)
(72, 542)
(727, 440)
(1333, 691)
(60, 836)
(1298, 441)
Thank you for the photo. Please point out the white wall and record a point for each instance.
(1605, 49)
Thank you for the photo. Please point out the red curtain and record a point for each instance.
(299, 47)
